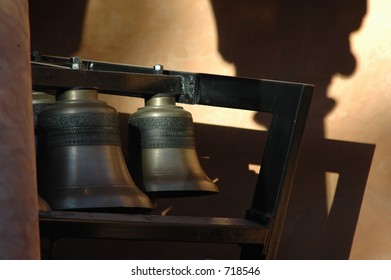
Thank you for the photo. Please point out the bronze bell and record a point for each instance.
(80, 160)
(41, 100)
(162, 156)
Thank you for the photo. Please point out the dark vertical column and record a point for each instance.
(19, 232)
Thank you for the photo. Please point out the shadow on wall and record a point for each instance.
(56, 26)
(305, 41)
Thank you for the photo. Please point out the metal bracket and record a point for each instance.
(288, 102)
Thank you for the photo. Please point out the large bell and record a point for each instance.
(162, 156)
(41, 100)
(80, 160)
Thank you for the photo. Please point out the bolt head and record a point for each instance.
(158, 68)
(76, 63)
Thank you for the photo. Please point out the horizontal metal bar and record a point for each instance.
(245, 93)
(59, 224)
(120, 83)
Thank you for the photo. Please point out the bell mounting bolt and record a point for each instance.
(76, 63)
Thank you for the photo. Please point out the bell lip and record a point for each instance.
(160, 188)
(181, 193)
(43, 205)
(122, 197)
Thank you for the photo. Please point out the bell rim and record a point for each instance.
(116, 196)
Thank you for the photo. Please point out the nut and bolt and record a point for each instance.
(76, 63)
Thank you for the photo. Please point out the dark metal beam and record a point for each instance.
(58, 224)
(119, 83)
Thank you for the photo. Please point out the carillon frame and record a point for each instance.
(260, 231)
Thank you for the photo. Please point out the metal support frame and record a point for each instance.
(260, 231)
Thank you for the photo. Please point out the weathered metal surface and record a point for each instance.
(162, 156)
(80, 161)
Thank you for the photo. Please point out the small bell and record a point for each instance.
(80, 160)
(162, 156)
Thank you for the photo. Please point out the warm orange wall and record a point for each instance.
(340, 205)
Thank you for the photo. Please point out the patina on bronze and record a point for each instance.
(80, 160)
(162, 156)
